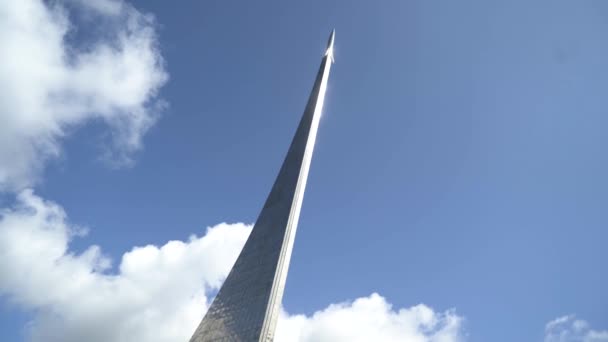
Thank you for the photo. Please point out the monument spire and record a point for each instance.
(247, 306)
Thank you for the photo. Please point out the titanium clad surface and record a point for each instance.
(247, 306)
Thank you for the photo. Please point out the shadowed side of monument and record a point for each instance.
(247, 306)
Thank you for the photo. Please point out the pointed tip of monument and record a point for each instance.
(330, 45)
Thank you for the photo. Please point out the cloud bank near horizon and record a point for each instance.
(160, 293)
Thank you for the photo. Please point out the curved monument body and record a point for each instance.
(247, 306)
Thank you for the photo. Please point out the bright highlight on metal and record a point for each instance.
(247, 305)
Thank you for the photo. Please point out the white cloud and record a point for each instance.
(570, 329)
(371, 319)
(159, 294)
(156, 293)
(51, 86)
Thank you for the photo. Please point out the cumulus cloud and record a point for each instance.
(570, 329)
(371, 319)
(154, 294)
(55, 78)
(159, 294)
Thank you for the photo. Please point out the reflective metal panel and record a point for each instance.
(247, 306)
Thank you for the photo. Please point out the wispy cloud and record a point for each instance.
(571, 329)
(51, 86)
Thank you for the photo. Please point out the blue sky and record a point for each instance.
(460, 161)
